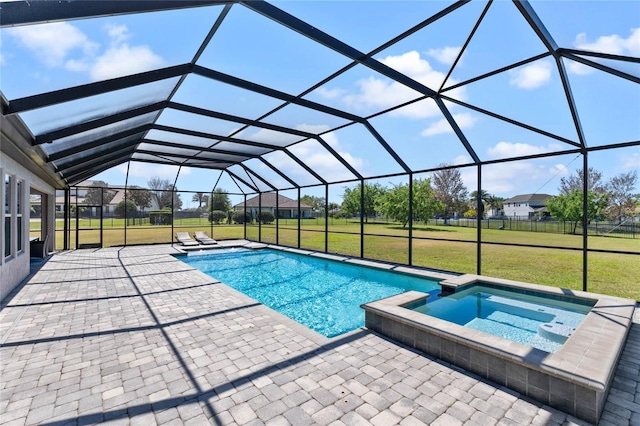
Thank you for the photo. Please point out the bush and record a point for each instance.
(160, 217)
(131, 209)
(241, 217)
(266, 216)
(217, 216)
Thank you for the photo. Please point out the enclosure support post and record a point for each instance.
(585, 219)
(77, 220)
(172, 211)
(326, 218)
(410, 252)
(244, 222)
(479, 215)
(362, 213)
(126, 184)
(67, 218)
(299, 210)
(277, 218)
(259, 216)
(101, 214)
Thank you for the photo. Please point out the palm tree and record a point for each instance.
(495, 204)
(484, 197)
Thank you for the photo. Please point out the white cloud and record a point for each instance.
(61, 44)
(531, 76)
(330, 93)
(518, 149)
(322, 161)
(516, 177)
(578, 68)
(461, 159)
(464, 120)
(53, 43)
(613, 44)
(117, 33)
(632, 162)
(124, 60)
(446, 55)
(381, 93)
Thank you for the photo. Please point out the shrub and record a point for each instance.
(266, 216)
(217, 216)
(131, 209)
(241, 217)
(160, 217)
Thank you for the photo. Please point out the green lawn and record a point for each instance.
(435, 246)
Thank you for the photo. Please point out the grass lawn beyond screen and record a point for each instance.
(449, 248)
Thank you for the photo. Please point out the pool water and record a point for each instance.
(324, 295)
(524, 318)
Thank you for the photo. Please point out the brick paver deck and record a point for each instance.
(134, 336)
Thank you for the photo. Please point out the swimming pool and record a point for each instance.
(322, 294)
(533, 320)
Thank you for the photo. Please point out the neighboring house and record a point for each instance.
(78, 197)
(526, 206)
(287, 208)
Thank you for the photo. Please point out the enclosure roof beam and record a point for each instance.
(313, 33)
(92, 89)
(36, 12)
(275, 169)
(99, 122)
(97, 142)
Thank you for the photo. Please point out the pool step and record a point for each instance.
(556, 331)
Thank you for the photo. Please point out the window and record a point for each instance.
(7, 214)
(19, 194)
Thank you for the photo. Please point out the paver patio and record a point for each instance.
(134, 336)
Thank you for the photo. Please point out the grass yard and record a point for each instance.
(441, 247)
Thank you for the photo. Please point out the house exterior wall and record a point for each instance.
(518, 210)
(16, 265)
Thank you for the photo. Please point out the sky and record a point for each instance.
(53, 56)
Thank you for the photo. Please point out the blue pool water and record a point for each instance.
(524, 318)
(324, 295)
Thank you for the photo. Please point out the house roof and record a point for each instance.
(269, 201)
(530, 198)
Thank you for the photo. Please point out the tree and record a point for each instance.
(164, 192)
(495, 204)
(351, 199)
(622, 200)
(484, 198)
(450, 190)
(394, 203)
(569, 207)
(220, 200)
(140, 197)
(575, 182)
(316, 203)
(127, 205)
(99, 194)
(198, 197)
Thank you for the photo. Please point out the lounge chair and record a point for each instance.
(203, 238)
(184, 239)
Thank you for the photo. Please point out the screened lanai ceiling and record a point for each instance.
(292, 94)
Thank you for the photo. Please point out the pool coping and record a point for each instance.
(575, 379)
